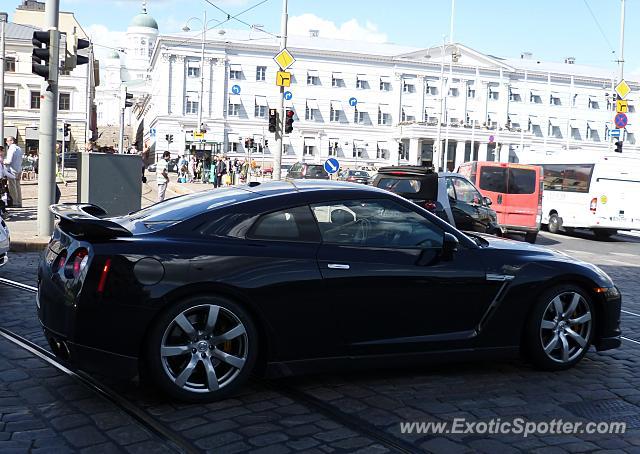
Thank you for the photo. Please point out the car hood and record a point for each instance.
(519, 246)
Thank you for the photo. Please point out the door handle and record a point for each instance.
(338, 266)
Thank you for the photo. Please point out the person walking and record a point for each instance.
(4, 189)
(162, 175)
(213, 178)
(221, 170)
(13, 161)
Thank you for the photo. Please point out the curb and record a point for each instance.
(179, 189)
(27, 246)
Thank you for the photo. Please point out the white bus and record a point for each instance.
(601, 194)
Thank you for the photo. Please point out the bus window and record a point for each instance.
(567, 177)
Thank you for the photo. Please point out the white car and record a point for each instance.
(4, 242)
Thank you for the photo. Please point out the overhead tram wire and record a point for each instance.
(235, 17)
(595, 19)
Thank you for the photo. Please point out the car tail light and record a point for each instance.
(76, 263)
(430, 205)
(59, 262)
(593, 205)
(103, 275)
(351, 178)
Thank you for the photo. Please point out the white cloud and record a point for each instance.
(351, 29)
(105, 39)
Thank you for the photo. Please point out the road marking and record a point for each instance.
(623, 254)
(620, 262)
(630, 313)
(578, 252)
(630, 340)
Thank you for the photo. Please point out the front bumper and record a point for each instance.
(609, 333)
(4, 258)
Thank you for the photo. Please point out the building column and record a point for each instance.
(414, 151)
(482, 151)
(504, 152)
(460, 146)
(219, 89)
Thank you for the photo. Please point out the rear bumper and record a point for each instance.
(92, 359)
(519, 228)
(4, 258)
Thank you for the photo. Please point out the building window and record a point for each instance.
(233, 147)
(575, 134)
(382, 153)
(454, 92)
(10, 64)
(193, 69)
(555, 100)
(556, 132)
(362, 83)
(309, 150)
(358, 152)
(310, 113)
(408, 87)
(64, 101)
(535, 98)
(385, 86)
(235, 72)
(333, 147)
(406, 116)
(631, 138)
(337, 80)
(261, 111)
(192, 103)
(9, 98)
(432, 91)
(593, 104)
(514, 96)
(261, 73)
(494, 95)
(234, 110)
(35, 99)
(574, 100)
(384, 119)
(471, 92)
(313, 79)
(592, 134)
(334, 115)
(360, 117)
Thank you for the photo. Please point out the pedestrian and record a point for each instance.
(13, 162)
(213, 178)
(221, 171)
(144, 155)
(162, 175)
(192, 169)
(183, 168)
(4, 188)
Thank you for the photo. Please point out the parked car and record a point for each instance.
(516, 192)
(355, 176)
(449, 196)
(70, 160)
(306, 171)
(5, 240)
(204, 289)
(173, 166)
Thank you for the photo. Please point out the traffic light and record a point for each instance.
(127, 97)
(169, 137)
(66, 127)
(273, 120)
(72, 59)
(618, 145)
(288, 125)
(400, 149)
(44, 42)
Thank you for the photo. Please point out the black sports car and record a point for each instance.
(288, 277)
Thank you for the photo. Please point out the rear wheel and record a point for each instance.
(560, 328)
(604, 234)
(530, 237)
(202, 349)
(554, 223)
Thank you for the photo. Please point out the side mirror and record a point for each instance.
(449, 245)
(487, 201)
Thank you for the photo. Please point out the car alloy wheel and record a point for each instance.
(565, 328)
(204, 348)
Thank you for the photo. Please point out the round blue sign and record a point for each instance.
(353, 102)
(288, 95)
(621, 120)
(331, 165)
(235, 89)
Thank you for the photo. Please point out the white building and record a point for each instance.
(23, 88)
(493, 108)
(129, 69)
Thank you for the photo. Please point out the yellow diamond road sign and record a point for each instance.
(623, 89)
(284, 59)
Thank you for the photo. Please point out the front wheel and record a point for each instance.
(554, 223)
(202, 349)
(560, 328)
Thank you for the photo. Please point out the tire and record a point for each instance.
(544, 331)
(530, 237)
(202, 364)
(555, 223)
(604, 234)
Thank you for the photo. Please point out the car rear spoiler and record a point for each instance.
(83, 220)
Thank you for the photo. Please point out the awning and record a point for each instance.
(10, 131)
(554, 121)
(592, 125)
(385, 108)
(534, 121)
(577, 124)
(336, 105)
(233, 138)
(261, 100)
(537, 93)
(407, 109)
(361, 77)
(310, 142)
(313, 73)
(337, 76)
(386, 79)
(312, 104)
(193, 63)
(235, 67)
(30, 133)
(257, 138)
(235, 99)
(383, 145)
(514, 90)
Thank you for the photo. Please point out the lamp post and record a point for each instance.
(441, 157)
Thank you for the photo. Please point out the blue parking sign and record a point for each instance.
(331, 165)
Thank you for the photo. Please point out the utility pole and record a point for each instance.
(621, 51)
(277, 162)
(204, 35)
(439, 130)
(47, 129)
(3, 21)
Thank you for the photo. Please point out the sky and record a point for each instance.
(588, 30)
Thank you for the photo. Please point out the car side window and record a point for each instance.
(451, 192)
(465, 191)
(292, 224)
(375, 223)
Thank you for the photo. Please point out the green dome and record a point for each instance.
(144, 20)
(114, 54)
